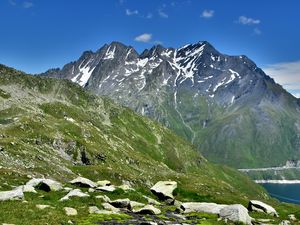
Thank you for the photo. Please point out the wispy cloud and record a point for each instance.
(257, 31)
(248, 21)
(207, 13)
(163, 14)
(131, 12)
(287, 74)
(12, 2)
(146, 37)
(27, 4)
(149, 16)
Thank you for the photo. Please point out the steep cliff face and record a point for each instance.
(225, 105)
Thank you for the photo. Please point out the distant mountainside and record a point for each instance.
(53, 128)
(225, 105)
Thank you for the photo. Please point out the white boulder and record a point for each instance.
(15, 194)
(213, 208)
(74, 193)
(148, 209)
(83, 182)
(164, 189)
(45, 184)
(236, 213)
(258, 206)
(70, 211)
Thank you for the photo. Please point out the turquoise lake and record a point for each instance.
(284, 192)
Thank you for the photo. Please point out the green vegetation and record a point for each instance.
(53, 128)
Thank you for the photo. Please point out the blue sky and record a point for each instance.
(41, 34)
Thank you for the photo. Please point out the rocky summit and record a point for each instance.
(225, 105)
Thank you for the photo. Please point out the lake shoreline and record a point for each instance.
(277, 181)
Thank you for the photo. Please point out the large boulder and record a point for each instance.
(164, 189)
(258, 206)
(74, 193)
(45, 184)
(148, 209)
(83, 182)
(236, 213)
(16, 194)
(213, 208)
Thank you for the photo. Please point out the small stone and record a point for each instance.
(43, 206)
(109, 207)
(70, 211)
(103, 197)
(110, 188)
(91, 190)
(103, 183)
(292, 217)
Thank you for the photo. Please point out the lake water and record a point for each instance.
(284, 192)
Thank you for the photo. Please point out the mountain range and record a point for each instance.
(225, 105)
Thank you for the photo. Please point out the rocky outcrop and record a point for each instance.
(83, 182)
(164, 189)
(213, 208)
(236, 213)
(258, 206)
(16, 194)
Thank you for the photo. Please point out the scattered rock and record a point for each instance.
(285, 222)
(103, 183)
(259, 206)
(103, 197)
(109, 207)
(83, 182)
(134, 205)
(110, 188)
(16, 194)
(292, 217)
(148, 209)
(205, 207)
(125, 187)
(95, 210)
(236, 213)
(68, 189)
(91, 190)
(70, 211)
(45, 184)
(151, 201)
(120, 203)
(164, 189)
(43, 206)
(74, 193)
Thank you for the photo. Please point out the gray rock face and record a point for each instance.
(213, 208)
(16, 194)
(236, 213)
(187, 89)
(164, 189)
(259, 206)
(83, 182)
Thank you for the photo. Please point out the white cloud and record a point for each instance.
(287, 74)
(162, 14)
(143, 38)
(207, 13)
(27, 4)
(248, 21)
(130, 13)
